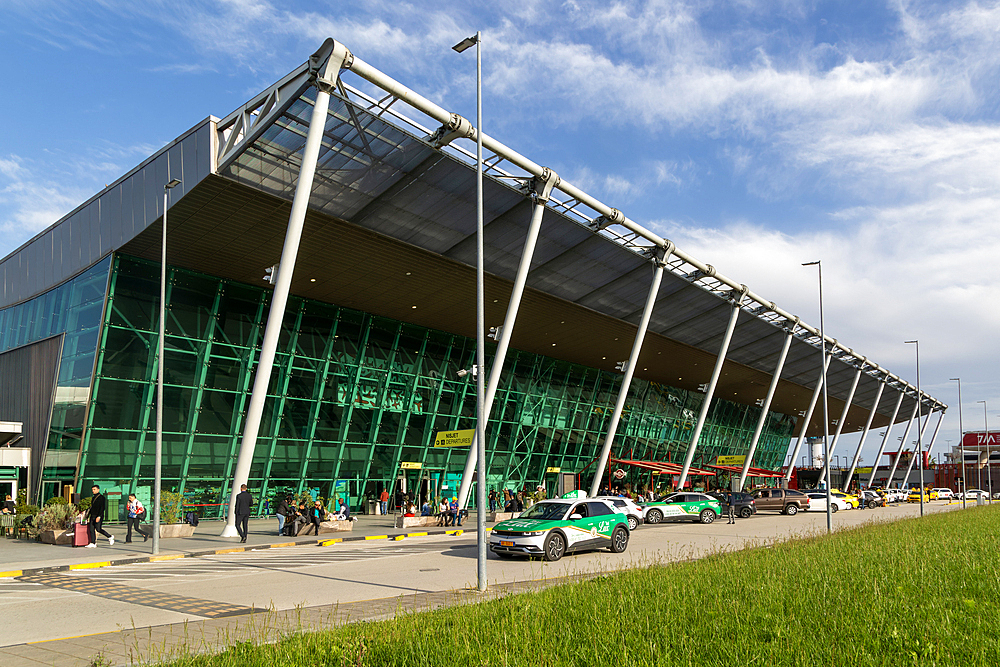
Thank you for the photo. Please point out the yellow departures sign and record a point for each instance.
(454, 438)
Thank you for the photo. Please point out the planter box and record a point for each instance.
(411, 521)
(176, 530)
(56, 536)
(326, 527)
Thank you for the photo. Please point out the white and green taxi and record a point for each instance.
(553, 528)
(685, 506)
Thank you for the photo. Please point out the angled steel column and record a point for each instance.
(633, 360)
(902, 442)
(806, 419)
(542, 188)
(766, 406)
(324, 66)
(847, 407)
(864, 434)
(885, 439)
(710, 390)
(920, 438)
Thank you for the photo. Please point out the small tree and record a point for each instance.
(171, 507)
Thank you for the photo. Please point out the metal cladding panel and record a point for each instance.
(105, 222)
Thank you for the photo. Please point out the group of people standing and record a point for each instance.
(292, 516)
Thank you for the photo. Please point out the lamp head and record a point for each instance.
(173, 183)
(466, 43)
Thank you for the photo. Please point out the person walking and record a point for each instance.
(731, 501)
(244, 501)
(383, 501)
(95, 517)
(136, 514)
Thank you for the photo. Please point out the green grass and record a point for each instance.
(914, 592)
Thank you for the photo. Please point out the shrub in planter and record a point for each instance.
(56, 517)
(171, 507)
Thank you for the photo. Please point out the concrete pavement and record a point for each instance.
(141, 611)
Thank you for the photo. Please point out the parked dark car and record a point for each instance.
(745, 505)
(785, 501)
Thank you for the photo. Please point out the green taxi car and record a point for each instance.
(696, 507)
(553, 528)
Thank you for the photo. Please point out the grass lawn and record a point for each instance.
(914, 592)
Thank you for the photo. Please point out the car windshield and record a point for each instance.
(545, 511)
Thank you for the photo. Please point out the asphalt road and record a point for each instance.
(83, 602)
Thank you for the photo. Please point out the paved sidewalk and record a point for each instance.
(21, 557)
(151, 645)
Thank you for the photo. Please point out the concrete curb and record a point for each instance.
(219, 552)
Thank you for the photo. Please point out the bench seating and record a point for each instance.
(327, 527)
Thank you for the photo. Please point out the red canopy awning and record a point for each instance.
(751, 472)
(664, 467)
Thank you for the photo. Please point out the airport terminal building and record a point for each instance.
(381, 315)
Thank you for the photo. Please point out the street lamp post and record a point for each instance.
(989, 473)
(480, 319)
(920, 431)
(961, 441)
(826, 408)
(158, 459)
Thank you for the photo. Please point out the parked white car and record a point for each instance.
(897, 495)
(817, 502)
(944, 494)
(972, 494)
(627, 507)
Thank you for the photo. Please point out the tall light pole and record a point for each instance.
(920, 442)
(961, 440)
(989, 474)
(826, 404)
(158, 460)
(480, 319)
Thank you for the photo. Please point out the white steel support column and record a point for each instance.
(806, 419)
(766, 406)
(710, 390)
(325, 80)
(885, 439)
(902, 443)
(864, 435)
(543, 188)
(843, 415)
(919, 454)
(633, 360)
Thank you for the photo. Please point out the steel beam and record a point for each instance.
(902, 442)
(633, 361)
(843, 415)
(766, 406)
(325, 74)
(806, 419)
(542, 191)
(885, 439)
(710, 391)
(864, 434)
(919, 452)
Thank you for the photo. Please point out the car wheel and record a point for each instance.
(746, 512)
(619, 540)
(707, 516)
(633, 523)
(555, 546)
(834, 509)
(871, 504)
(654, 516)
(792, 510)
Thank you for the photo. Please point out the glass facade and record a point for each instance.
(355, 401)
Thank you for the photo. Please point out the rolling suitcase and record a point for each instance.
(80, 537)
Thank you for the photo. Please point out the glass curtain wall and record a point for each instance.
(354, 402)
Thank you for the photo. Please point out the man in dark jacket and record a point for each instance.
(281, 512)
(244, 501)
(95, 517)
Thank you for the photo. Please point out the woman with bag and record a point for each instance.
(136, 514)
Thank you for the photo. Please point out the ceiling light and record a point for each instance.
(312, 280)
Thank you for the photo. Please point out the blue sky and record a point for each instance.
(755, 135)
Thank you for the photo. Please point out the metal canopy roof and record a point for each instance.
(391, 230)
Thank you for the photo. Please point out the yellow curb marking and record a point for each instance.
(87, 566)
(330, 543)
(237, 550)
(156, 559)
(283, 544)
(416, 534)
(399, 538)
(376, 537)
(11, 573)
(59, 639)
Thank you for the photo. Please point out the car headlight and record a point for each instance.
(534, 533)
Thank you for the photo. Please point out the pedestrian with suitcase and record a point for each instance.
(136, 514)
(95, 518)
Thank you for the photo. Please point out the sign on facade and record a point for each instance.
(410, 465)
(548, 470)
(454, 438)
(731, 460)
